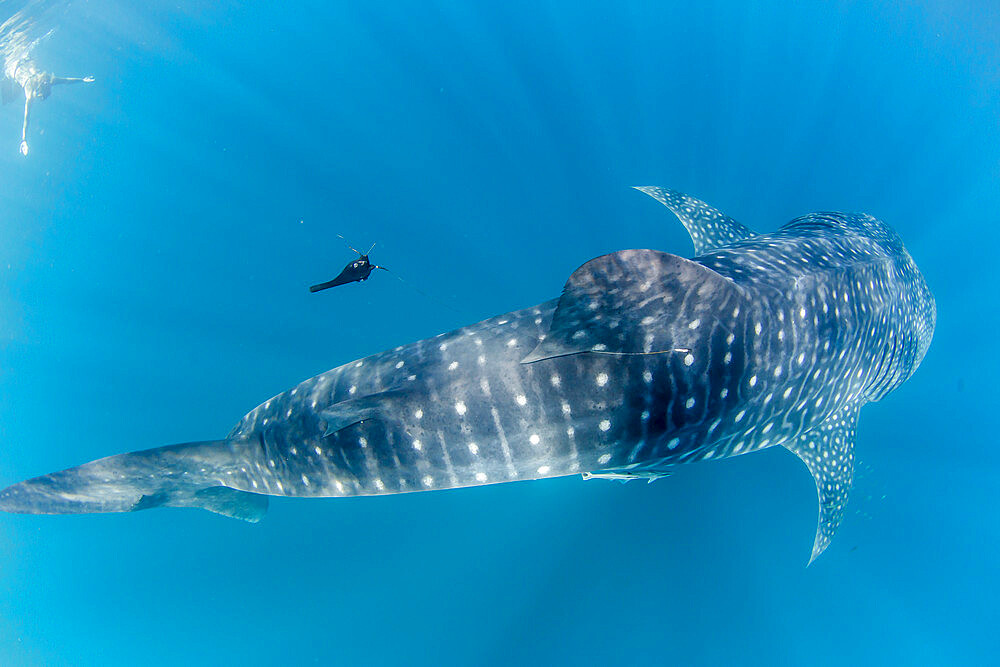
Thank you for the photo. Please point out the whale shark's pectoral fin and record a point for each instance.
(355, 410)
(828, 452)
(709, 228)
(635, 302)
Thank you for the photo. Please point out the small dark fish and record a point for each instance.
(355, 272)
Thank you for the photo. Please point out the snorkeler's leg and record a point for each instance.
(24, 128)
(56, 80)
(323, 286)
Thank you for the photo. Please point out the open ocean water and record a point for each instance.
(157, 241)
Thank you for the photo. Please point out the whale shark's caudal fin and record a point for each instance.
(188, 475)
(709, 228)
(828, 452)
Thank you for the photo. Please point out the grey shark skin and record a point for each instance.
(646, 361)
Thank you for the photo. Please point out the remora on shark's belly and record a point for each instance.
(646, 361)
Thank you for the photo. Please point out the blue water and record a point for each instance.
(157, 242)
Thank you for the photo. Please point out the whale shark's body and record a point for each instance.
(646, 361)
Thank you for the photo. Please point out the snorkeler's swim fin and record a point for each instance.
(189, 475)
(327, 285)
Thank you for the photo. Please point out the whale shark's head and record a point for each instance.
(925, 312)
(916, 299)
(904, 314)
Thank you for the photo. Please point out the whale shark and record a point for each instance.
(646, 361)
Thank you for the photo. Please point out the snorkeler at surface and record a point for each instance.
(35, 83)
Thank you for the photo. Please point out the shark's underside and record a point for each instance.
(646, 361)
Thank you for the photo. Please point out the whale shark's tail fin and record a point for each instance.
(188, 475)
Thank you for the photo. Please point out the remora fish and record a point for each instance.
(646, 361)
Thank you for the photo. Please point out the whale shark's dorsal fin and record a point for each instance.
(828, 452)
(635, 302)
(709, 228)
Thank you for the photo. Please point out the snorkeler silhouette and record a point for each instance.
(355, 272)
(359, 270)
(36, 84)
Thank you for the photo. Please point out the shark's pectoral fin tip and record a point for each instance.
(819, 546)
(828, 452)
(817, 549)
(532, 357)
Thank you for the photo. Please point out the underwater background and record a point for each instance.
(157, 243)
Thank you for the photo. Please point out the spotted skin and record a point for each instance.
(646, 361)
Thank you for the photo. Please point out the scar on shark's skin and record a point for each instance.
(646, 361)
